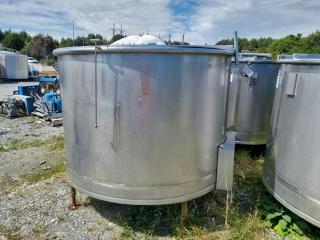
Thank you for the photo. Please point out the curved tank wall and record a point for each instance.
(13, 65)
(160, 116)
(251, 95)
(291, 170)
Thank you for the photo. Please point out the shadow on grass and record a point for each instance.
(164, 220)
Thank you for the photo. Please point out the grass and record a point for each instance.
(10, 234)
(45, 174)
(247, 214)
(55, 146)
(54, 143)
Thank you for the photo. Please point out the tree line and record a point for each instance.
(41, 46)
(287, 45)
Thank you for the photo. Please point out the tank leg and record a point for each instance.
(184, 211)
(73, 205)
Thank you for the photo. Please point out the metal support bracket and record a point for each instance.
(250, 74)
(226, 163)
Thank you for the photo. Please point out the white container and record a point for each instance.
(13, 65)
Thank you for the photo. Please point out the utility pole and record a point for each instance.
(169, 38)
(182, 39)
(83, 40)
(72, 32)
(113, 30)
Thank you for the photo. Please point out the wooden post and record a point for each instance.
(184, 211)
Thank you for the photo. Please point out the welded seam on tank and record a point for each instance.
(296, 190)
(154, 201)
(288, 186)
(117, 185)
(290, 206)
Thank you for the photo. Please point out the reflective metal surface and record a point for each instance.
(160, 119)
(250, 99)
(13, 65)
(291, 170)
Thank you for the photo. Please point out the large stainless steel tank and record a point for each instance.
(151, 134)
(13, 65)
(292, 163)
(251, 97)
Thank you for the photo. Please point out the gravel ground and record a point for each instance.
(29, 128)
(24, 161)
(39, 211)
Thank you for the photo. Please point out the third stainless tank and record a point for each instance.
(292, 163)
(251, 96)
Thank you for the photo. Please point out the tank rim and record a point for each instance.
(258, 61)
(177, 49)
(299, 58)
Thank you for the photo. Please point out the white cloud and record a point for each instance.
(209, 20)
(217, 19)
(89, 16)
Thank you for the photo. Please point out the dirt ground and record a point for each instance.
(30, 157)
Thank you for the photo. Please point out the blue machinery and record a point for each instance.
(43, 100)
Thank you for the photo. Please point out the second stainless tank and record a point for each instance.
(292, 163)
(252, 85)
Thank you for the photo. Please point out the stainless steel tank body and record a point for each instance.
(252, 85)
(292, 164)
(146, 128)
(13, 65)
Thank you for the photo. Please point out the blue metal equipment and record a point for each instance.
(48, 102)
(43, 100)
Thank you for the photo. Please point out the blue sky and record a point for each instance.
(202, 21)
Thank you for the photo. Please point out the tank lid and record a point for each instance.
(182, 49)
(299, 58)
(138, 40)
